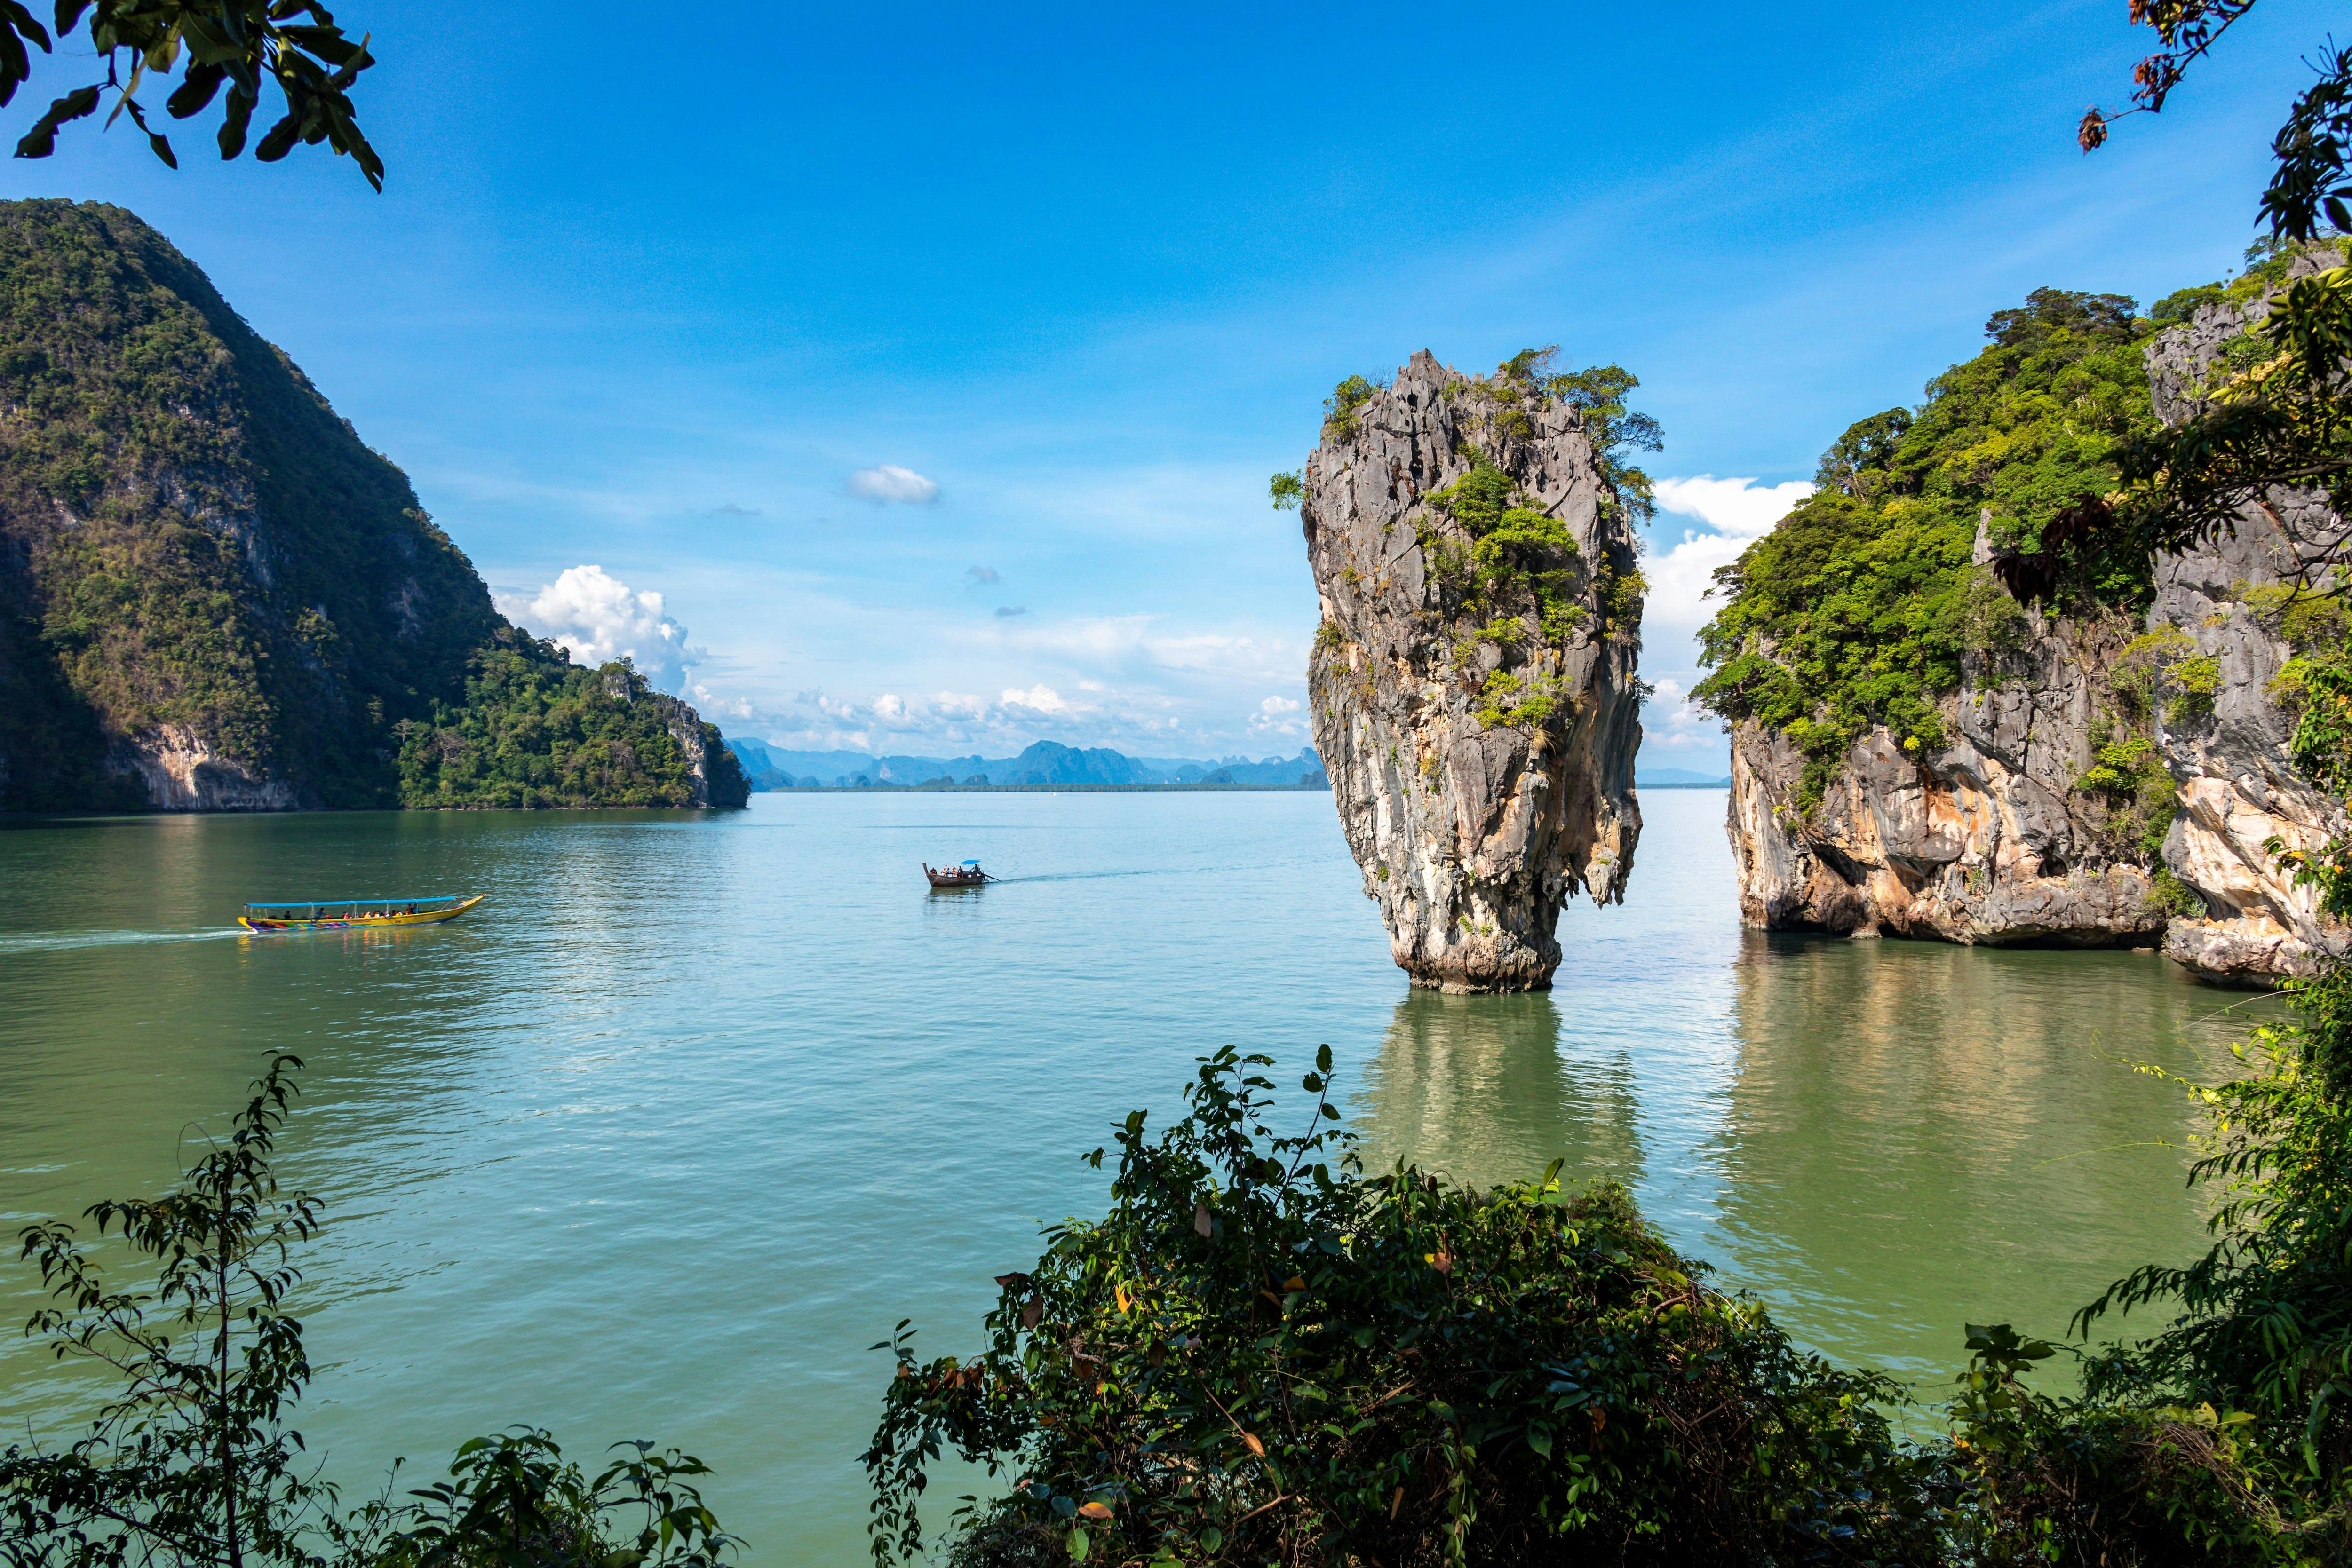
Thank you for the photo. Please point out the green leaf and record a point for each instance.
(42, 140)
(1079, 1544)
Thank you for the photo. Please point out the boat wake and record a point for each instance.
(64, 941)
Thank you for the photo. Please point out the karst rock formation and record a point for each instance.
(1994, 838)
(1473, 699)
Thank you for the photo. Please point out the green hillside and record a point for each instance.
(197, 554)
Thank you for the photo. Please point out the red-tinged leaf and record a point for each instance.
(1249, 1441)
(1093, 1510)
(1293, 1283)
(1032, 1312)
(1202, 1219)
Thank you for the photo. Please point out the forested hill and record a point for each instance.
(214, 595)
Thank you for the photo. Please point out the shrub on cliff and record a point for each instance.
(1259, 1353)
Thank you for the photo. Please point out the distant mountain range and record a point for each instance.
(1677, 778)
(1044, 763)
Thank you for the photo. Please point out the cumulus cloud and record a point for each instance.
(1039, 698)
(596, 617)
(1739, 511)
(1277, 715)
(981, 574)
(889, 483)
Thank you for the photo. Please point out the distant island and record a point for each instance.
(1046, 765)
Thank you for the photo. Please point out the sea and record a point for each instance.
(695, 1108)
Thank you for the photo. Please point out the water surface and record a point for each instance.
(656, 1141)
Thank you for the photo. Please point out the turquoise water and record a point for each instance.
(659, 1139)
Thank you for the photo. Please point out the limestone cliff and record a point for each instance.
(2093, 779)
(2238, 790)
(214, 596)
(1472, 683)
(1986, 839)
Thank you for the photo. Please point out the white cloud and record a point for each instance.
(1737, 506)
(890, 708)
(889, 482)
(1740, 511)
(596, 617)
(1274, 717)
(1040, 698)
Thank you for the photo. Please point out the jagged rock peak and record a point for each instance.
(1472, 682)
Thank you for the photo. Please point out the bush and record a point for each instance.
(1259, 1355)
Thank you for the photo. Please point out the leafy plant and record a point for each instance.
(1340, 411)
(190, 1462)
(1260, 1353)
(1288, 490)
(512, 1497)
(237, 44)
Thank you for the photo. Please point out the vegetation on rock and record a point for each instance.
(192, 540)
(537, 730)
(1862, 606)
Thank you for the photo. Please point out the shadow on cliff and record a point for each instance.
(1478, 1087)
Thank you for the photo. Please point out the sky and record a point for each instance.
(909, 380)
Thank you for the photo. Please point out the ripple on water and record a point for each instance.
(658, 1139)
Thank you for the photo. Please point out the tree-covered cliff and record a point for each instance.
(212, 592)
(1918, 751)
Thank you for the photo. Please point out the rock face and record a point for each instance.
(178, 771)
(214, 596)
(2238, 788)
(1984, 841)
(1993, 841)
(1472, 832)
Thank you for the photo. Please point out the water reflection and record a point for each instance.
(1883, 1139)
(1478, 1087)
(1919, 1135)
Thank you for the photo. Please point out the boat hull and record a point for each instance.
(359, 922)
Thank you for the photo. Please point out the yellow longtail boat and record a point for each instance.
(353, 914)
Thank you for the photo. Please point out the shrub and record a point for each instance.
(1259, 1353)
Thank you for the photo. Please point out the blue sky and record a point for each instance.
(910, 379)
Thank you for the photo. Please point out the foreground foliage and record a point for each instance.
(190, 1461)
(1260, 1355)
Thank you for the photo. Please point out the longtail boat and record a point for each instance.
(354, 913)
(968, 875)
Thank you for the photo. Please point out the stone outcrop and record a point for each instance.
(1992, 840)
(178, 771)
(1471, 832)
(214, 596)
(1985, 840)
(2238, 790)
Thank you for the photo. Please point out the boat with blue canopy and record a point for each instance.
(968, 875)
(356, 913)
